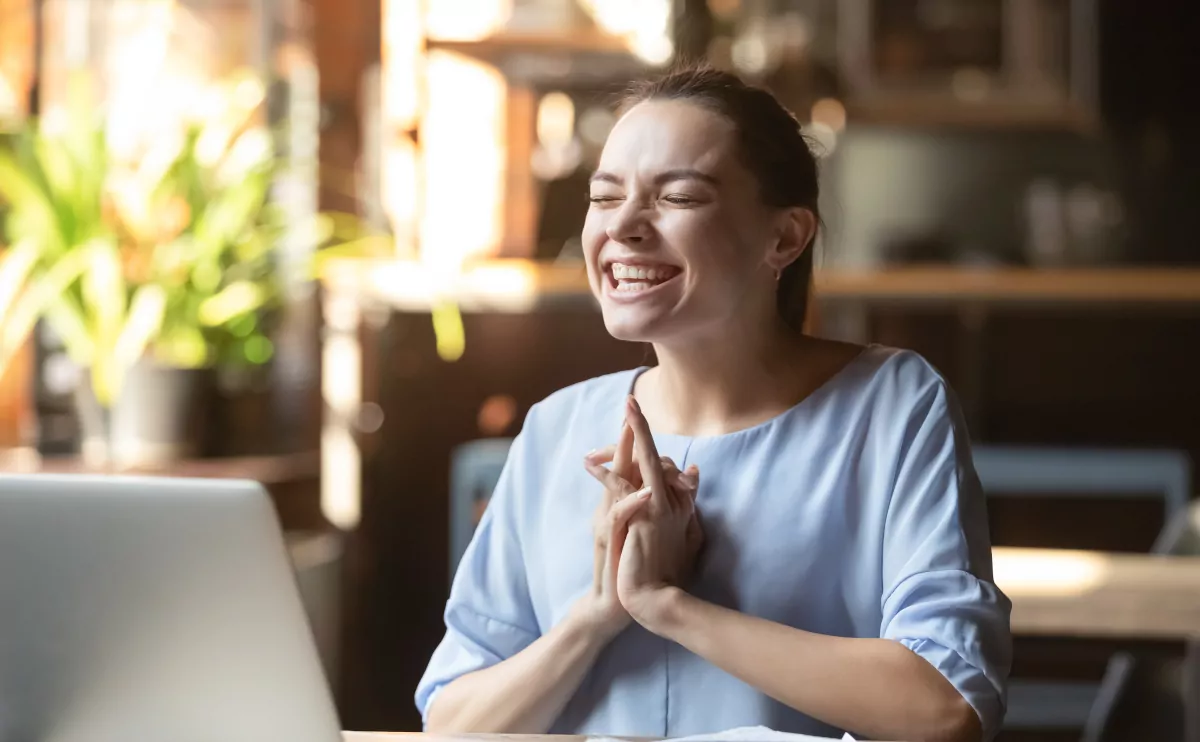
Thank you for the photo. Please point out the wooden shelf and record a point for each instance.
(579, 42)
(1022, 286)
(267, 470)
(950, 114)
(536, 58)
(521, 285)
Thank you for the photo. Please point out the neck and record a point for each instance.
(716, 384)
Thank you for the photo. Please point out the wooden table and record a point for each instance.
(1132, 600)
(1059, 592)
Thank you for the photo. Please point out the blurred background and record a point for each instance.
(332, 245)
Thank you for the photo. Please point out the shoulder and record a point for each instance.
(900, 383)
(915, 415)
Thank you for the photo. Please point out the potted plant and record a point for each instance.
(154, 265)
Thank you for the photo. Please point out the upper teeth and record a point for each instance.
(639, 273)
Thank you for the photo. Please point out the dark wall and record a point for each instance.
(1150, 64)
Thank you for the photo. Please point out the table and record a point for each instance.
(1086, 594)
(1134, 599)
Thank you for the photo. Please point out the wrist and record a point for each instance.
(660, 610)
(588, 623)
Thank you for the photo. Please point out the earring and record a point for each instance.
(778, 275)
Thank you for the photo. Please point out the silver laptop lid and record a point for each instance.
(152, 609)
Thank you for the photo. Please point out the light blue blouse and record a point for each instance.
(855, 513)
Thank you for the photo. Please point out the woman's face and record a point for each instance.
(677, 240)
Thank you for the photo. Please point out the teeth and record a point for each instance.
(622, 271)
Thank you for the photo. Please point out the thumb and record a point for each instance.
(619, 516)
(625, 508)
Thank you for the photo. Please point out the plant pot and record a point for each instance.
(160, 417)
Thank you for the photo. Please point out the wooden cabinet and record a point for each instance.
(986, 62)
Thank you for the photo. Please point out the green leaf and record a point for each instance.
(69, 322)
(230, 213)
(244, 325)
(258, 350)
(16, 266)
(448, 331)
(34, 216)
(182, 347)
(58, 166)
(146, 311)
(104, 290)
(234, 300)
(34, 301)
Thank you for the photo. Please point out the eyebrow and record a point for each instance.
(666, 176)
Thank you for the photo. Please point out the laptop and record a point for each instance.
(136, 608)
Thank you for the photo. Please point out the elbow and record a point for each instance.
(433, 722)
(436, 723)
(432, 725)
(438, 719)
(958, 722)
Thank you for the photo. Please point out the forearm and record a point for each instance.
(525, 693)
(873, 687)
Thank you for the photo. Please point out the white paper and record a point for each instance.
(745, 734)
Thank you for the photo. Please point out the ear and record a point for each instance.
(796, 230)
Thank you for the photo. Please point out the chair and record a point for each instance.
(1157, 701)
(1182, 535)
(1119, 473)
(475, 468)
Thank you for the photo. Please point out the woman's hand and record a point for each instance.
(624, 497)
(600, 608)
(664, 540)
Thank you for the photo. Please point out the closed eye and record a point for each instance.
(679, 200)
(604, 199)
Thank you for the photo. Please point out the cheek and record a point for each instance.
(595, 232)
(714, 250)
(592, 239)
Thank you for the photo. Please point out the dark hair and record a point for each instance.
(771, 146)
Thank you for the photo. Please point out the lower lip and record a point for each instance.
(630, 297)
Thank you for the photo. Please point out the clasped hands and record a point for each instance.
(646, 531)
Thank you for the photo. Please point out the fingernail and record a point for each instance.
(634, 403)
(645, 494)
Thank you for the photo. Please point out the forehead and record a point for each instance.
(662, 135)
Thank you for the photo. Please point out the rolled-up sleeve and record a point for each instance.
(939, 599)
(489, 616)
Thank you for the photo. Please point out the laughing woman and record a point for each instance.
(787, 531)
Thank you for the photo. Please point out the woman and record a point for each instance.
(844, 581)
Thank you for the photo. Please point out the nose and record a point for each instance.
(629, 225)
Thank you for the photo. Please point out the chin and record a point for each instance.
(634, 329)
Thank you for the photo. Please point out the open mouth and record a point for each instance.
(627, 279)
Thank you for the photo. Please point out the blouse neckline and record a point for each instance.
(810, 399)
